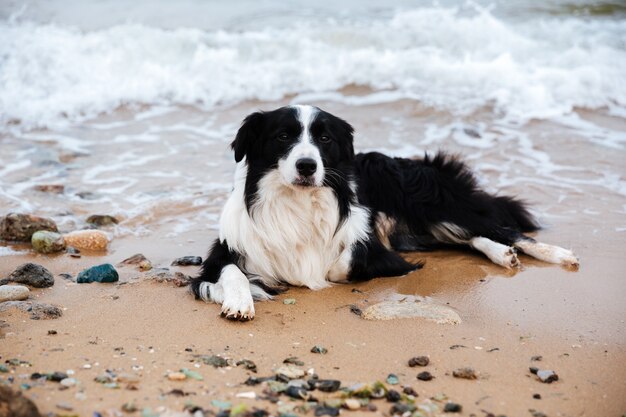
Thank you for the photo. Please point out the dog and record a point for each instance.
(306, 211)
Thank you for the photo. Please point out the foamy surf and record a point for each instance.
(459, 59)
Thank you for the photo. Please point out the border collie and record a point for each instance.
(306, 211)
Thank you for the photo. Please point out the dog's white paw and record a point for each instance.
(238, 305)
(509, 259)
(566, 257)
(549, 253)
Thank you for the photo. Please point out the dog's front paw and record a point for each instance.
(238, 306)
(509, 259)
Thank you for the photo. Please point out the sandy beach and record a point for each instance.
(138, 127)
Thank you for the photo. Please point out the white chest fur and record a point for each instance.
(292, 236)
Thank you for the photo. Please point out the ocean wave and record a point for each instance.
(53, 76)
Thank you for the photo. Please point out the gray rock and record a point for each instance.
(187, 260)
(102, 220)
(32, 275)
(45, 241)
(547, 376)
(15, 405)
(20, 227)
(38, 311)
(13, 293)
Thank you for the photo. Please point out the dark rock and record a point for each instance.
(536, 413)
(73, 252)
(298, 393)
(187, 261)
(213, 360)
(537, 396)
(393, 396)
(465, 373)
(52, 332)
(533, 370)
(399, 408)
(99, 273)
(419, 361)
(247, 364)
(547, 376)
(67, 276)
(32, 275)
(452, 408)
(319, 349)
(327, 385)
(20, 227)
(326, 411)
(425, 376)
(356, 310)
(536, 358)
(13, 404)
(44, 241)
(134, 260)
(38, 311)
(409, 391)
(457, 347)
(294, 361)
(56, 376)
(101, 220)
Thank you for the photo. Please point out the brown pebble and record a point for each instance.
(87, 239)
(425, 376)
(176, 376)
(465, 373)
(419, 361)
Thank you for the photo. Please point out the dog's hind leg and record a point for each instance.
(498, 253)
(547, 253)
(221, 281)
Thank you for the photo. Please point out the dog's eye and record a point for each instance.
(324, 139)
(283, 137)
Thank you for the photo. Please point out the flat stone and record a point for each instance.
(45, 241)
(176, 376)
(352, 404)
(50, 188)
(13, 293)
(388, 310)
(100, 273)
(187, 260)
(419, 361)
(547, 376)
(37, 311)
(20, 227)
(94, 240)
(290, 372)
(32, 275)
(465, 373)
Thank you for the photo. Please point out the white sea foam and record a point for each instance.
(51, 76)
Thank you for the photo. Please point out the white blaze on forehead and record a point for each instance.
(304, 148)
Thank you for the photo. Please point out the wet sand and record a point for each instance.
(573, 319)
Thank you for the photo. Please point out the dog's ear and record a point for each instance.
(248, 133)
(346, 136)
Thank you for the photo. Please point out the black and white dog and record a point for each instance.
(306, 211)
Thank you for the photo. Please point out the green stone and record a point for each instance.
(45, 241)
(99, 273)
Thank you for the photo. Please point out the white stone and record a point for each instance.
(13, 293)
(388, 310)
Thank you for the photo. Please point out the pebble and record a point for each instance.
(13, 293)
(537, 396)
(393, 396)
(452, 408)
(73, 252)
(65, 406)
(392, 379)
(20, 227)
(319, 349)
(101, 220)
(419, 361)
(50, 188)
(409, 391)
(327, 385)
(326, 411)
(388, 310)
(289, 301)
(187, 261)
(547, 376)
(465, 373)
(298, 393)
(37, 311)
(176, 376)
(32, 275)
(99, 273)
(68, 382)
(45, 241)
(424, 376)
(247, 364)
(94, 240)
(290, 372)
(352, 404)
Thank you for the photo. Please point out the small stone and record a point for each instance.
(20, 227)
(533, 370)
(44, 241)
(409, 391)
(93, 240)
(294, 361)
(298, 393)
(393, 396)
(13, 293)
(102, 220)
(129, 407)
(465, 373)
(536, 358)
(213, 360)
(65, 406)
(52, 332)
(192, 374)
(187, 261)
(99, 273)
(327, 385)
(136, 259)
(547, 376)
(32, 275)
(452, 408)
(319, 349)
(352, 404)
(354, 309)
(425, 376)
(326, 411)
(56, 376)
(176, 376)
(73, 252)
(388, 310)
(128, 378)
(289, 301)
(50, 188)
(37, 311)
(68, 382)
(537, 396)
(247, 364)
(419, 361)
(392, 379)
(289, 372)
(145, 265)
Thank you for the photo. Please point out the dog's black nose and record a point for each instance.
(306, 166)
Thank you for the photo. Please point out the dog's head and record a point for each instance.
(307, 146)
